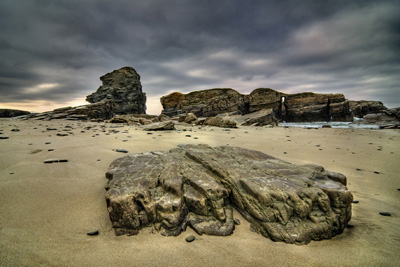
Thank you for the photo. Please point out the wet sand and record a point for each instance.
(47, 209)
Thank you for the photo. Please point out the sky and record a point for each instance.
(52, 53)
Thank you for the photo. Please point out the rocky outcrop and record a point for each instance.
(9, 113)
(303, 107)
(308, 107)
(389, 116)
(261, 118)
(123, 87)
(102, 110)
(363, 107)
(198, 186)
(206, 103)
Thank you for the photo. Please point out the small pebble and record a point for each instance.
(358, 170)
(196, 138)
(3, 137)
(47, 143)
(349, 226)
(355, 201)
(11, 173)
(190, 238)
(383, 213)
(121, 150)
(188, 135)
(236, 221)
(94, 232)
(376, 172)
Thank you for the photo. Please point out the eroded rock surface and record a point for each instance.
(198, 186)
(303, 107)
(123, 87)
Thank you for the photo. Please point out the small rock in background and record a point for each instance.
(236, 221)
(94, 232)
(121, 150)
(3, 137)
(384, 213)
(190, 238)
(15, 130)
(355, 201)
(47, 161)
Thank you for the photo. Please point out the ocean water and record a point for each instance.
(333, 124)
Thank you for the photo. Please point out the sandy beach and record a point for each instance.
(47, 209)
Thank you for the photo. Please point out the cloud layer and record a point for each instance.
(54, 52)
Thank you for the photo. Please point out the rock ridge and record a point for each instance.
(302, 107)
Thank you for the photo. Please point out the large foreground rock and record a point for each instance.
(198, 186)
(123, 87)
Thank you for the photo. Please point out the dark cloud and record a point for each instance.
(56, 50)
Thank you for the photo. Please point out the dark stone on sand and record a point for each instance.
(355, 201)
(15, 130)
(94, 232)
(190, 238)
(376, 172)
(47, 143)
(50, 149)
(198, 186)
(121, 150)
(48, 161)
(384, 213)
(60, 134)
(236, 221)
(51, 129)
(4, 137)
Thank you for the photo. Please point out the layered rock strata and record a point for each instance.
(9, 113)
(198, 186)
(363, 107)
(303, 107)
(102, 110)
(123, 87)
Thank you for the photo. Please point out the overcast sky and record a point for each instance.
(52, 53)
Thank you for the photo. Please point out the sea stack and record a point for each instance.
(123, 87)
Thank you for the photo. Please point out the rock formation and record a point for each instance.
(198, 186)
(206, 103)
(9, 113)
(363, 107)
(123, 87)
(102, 110)
(388, 116)
(303, 107)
